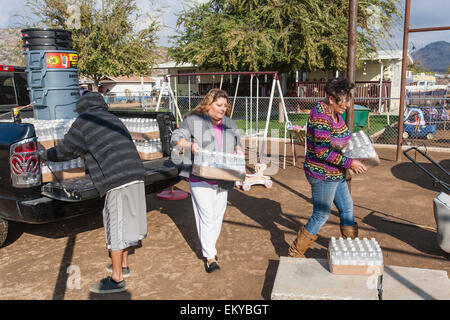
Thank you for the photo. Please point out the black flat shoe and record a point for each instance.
(211, 267)
(108, 285)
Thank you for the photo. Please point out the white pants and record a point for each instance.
(209, 205)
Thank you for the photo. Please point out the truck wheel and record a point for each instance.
(3, 231)
(430, 136)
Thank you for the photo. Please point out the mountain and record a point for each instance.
(434, 56)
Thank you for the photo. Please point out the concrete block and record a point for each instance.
(311, 279)
(405, 283)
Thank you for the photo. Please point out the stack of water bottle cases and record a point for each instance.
(145, 134)
(49, 133)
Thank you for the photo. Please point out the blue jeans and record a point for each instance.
(324, 194)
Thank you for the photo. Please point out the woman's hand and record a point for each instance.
(358, 166)
(195, 148)
(182, 143)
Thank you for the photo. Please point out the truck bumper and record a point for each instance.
(44, 209)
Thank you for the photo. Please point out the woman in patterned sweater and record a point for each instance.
(327, 134)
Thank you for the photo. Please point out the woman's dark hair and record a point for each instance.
(339, 88)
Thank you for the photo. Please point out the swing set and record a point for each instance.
(258, 177)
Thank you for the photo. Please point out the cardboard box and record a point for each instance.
(47, 144)
(62, 175)
(145, 135)
(150, 156)
(218, 173)
(354, 269)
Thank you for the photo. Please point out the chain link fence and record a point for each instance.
(426, 117)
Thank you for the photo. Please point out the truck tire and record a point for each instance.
(3, 231)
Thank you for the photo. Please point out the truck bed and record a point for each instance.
(82, 188)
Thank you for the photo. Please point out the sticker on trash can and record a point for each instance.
(73, 58)
(58, 60)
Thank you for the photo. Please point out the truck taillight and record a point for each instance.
(26, 147)
(24, 164)
(7, 68)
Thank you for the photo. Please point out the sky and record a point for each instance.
(424, 13)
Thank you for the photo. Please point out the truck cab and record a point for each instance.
(13, 88)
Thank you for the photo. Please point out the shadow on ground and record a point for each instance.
(423, 240)
(55, 230)
(412, 173)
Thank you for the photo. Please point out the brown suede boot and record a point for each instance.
(302, 243)
(349, 231)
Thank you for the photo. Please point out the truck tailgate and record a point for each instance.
(159, 173)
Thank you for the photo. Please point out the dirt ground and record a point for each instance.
(45, 261)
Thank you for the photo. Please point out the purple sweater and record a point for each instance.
(324, 141)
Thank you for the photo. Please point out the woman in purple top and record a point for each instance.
(208, 127)
(327, 134)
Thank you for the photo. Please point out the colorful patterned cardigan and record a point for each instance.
(324, 141)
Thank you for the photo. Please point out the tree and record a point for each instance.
(417, 67)
(106, 38)
(278, 34)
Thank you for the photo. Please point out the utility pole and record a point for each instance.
(351, 60)
(403, 81)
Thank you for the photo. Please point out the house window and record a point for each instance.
(184, 79)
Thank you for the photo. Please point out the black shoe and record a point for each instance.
(108, 285)
(125, 270)
(211, 267)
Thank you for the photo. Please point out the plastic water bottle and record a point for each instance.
(353, 256)
(159, 145)
(345, 256)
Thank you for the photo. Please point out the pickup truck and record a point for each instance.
(23, 196)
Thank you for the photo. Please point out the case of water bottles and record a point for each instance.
(149, 149)
(146, 137)
(219, 165)
(49, 133)
(355, 256)
(142, 129)
(360, 147)
(62, 170)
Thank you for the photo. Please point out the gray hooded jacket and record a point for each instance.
(110, 154)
